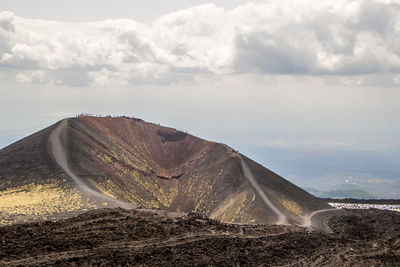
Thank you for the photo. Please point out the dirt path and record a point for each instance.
(60, 155)
(282, 220)
(307, 222)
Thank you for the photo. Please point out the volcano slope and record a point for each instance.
(88, 162)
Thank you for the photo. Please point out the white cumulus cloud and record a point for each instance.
(353, 40)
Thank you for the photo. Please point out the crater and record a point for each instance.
(171, 137)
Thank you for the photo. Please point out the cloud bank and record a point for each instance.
(356, 42)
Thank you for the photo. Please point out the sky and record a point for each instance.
(310, 89)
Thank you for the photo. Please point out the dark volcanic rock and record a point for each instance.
(151, 237)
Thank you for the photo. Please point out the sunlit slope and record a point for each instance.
(158, 167)
(142, 164)
(33, 187)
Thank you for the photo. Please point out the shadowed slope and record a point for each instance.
(158, 167)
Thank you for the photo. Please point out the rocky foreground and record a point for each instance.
(153, 237)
